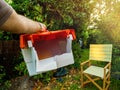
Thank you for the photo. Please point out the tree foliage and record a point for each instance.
(110, 24)
(105, 19)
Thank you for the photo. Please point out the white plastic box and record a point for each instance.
(47, 51)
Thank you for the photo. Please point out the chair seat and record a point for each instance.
(96, 71)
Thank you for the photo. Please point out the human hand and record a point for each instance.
(42, 27)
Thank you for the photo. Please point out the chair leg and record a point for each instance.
(94, 82)
(82, 79)
(106, 82)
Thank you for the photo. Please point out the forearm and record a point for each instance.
(20, 24)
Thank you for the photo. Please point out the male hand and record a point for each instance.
(42, 27)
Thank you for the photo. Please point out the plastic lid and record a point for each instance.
(48, 35)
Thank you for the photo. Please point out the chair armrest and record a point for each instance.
(83, 63)
(108, 66)
(107, 70)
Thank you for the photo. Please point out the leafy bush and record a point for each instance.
(21, 69)
(2, 74)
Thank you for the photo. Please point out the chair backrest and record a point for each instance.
(100, 52)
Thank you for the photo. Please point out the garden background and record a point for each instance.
(95, 21)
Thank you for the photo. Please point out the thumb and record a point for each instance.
(43, 27)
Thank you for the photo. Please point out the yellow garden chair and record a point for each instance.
(92, 73)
